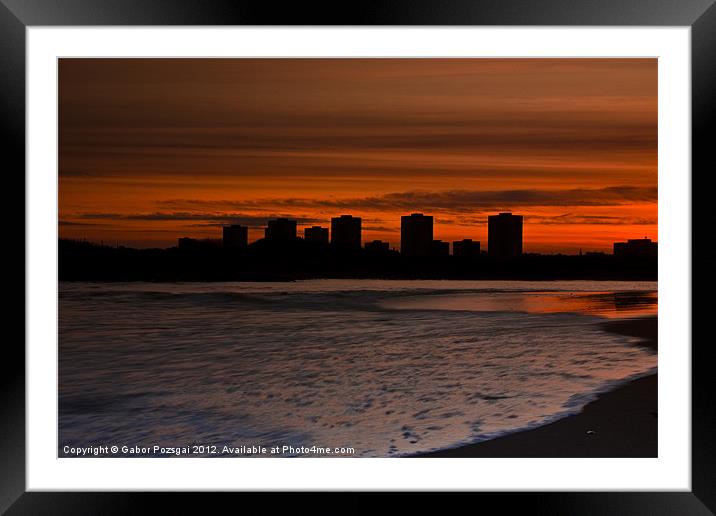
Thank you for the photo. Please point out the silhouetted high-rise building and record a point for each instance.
(186, 242)
(346, 232)
(235, 236)
(504, 236)
(416, 234)
(466, 248)
(316, 234)
(439, 248)
(636, 248)
(281, 230)
(377, 247)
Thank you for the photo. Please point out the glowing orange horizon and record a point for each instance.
(154, 149)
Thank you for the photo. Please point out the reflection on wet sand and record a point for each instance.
(604, 304)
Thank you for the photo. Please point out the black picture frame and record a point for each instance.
(17, 15)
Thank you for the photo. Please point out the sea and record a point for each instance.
(359, 368)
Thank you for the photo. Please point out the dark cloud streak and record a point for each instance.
(217, 218)
(451, 201)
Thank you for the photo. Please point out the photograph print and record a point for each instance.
(388, 257)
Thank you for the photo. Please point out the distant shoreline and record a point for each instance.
(298, 260)
(619, 423)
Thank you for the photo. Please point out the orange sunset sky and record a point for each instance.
(154, 149)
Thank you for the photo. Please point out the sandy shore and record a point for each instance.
(620, 423)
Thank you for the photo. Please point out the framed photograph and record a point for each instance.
(421, 248)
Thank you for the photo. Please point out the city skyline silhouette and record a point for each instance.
(505, 237)
(341, 252)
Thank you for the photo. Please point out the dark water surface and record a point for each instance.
(385, 367)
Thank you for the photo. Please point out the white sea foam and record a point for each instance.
(357, 364)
